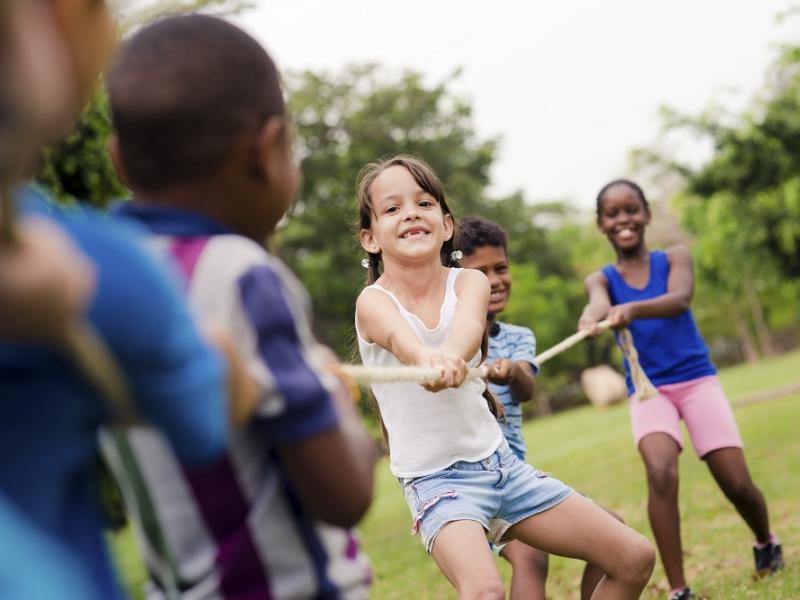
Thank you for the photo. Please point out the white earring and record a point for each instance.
(365, 263)
(456, 255)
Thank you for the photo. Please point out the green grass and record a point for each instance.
(592, 450)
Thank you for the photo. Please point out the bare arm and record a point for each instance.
(473, 290)
(45, 283)
(680, 287)
(333, 472)
(599, 303)
(325, 451)
(518, 375)
(381, 323)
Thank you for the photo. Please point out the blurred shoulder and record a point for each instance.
(679, 254)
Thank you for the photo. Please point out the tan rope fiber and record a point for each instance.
(643, 388)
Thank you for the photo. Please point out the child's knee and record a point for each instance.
(528, 559)
(634, 562)
(662, 479)
(640, 560)
(488, 587)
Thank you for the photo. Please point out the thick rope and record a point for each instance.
(368, 375)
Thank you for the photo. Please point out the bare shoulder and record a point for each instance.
(596, 279)
(373, 308)
(371, 300)
(679, 255)
(472, 280)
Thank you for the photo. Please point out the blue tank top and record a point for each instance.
(671, 349)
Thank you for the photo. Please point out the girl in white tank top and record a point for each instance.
(417, 421)
(461, 481)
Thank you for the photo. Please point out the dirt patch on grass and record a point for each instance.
(771, 394)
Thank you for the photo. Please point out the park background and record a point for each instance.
(723, 177)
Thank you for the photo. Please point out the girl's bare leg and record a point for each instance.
(463, 555)
(528, 571)
(729, 469)
(592, 574)
(578, 528)
(660, 454)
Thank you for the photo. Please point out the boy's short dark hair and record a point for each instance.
(475, 232)
(183, 92)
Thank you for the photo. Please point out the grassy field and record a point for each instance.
(592, 451)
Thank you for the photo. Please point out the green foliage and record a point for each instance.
(752, 175)
(344, 121)
(742, 208)
(133, 13)
(79, 167)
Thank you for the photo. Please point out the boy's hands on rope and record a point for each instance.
(503, 371)
(243, 391)
(346, 391)
(46, 283)
(453, 367)
(516, 374)
(333, 471)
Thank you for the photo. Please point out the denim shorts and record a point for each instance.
(497, 492)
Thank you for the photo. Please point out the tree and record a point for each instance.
(742, 208)
(133, 13)
(78, 168)
(344, 121)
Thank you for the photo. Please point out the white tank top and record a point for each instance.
(431, 431)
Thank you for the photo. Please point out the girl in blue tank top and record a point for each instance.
(650, 293)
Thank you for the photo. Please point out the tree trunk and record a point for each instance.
(746, 341)
(760, 322)
(542, 406)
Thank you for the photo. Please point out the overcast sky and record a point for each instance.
(570, 87)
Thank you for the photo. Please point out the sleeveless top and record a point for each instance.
(430, 431)
(671, 349)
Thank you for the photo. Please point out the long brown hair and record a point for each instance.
(426, 178)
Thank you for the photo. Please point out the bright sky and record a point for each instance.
(570, 87)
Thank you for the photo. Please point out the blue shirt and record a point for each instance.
(58, 573)
(49, 415)
(513, 343)
(671, 349)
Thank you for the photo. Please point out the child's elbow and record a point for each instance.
(683, 303)
(349, 510)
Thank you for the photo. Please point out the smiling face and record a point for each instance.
(407, 222)
(623, 217)
(492, 262)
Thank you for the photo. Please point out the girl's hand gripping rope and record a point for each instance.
(454, 369)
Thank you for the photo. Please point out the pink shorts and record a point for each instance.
(701, 403)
